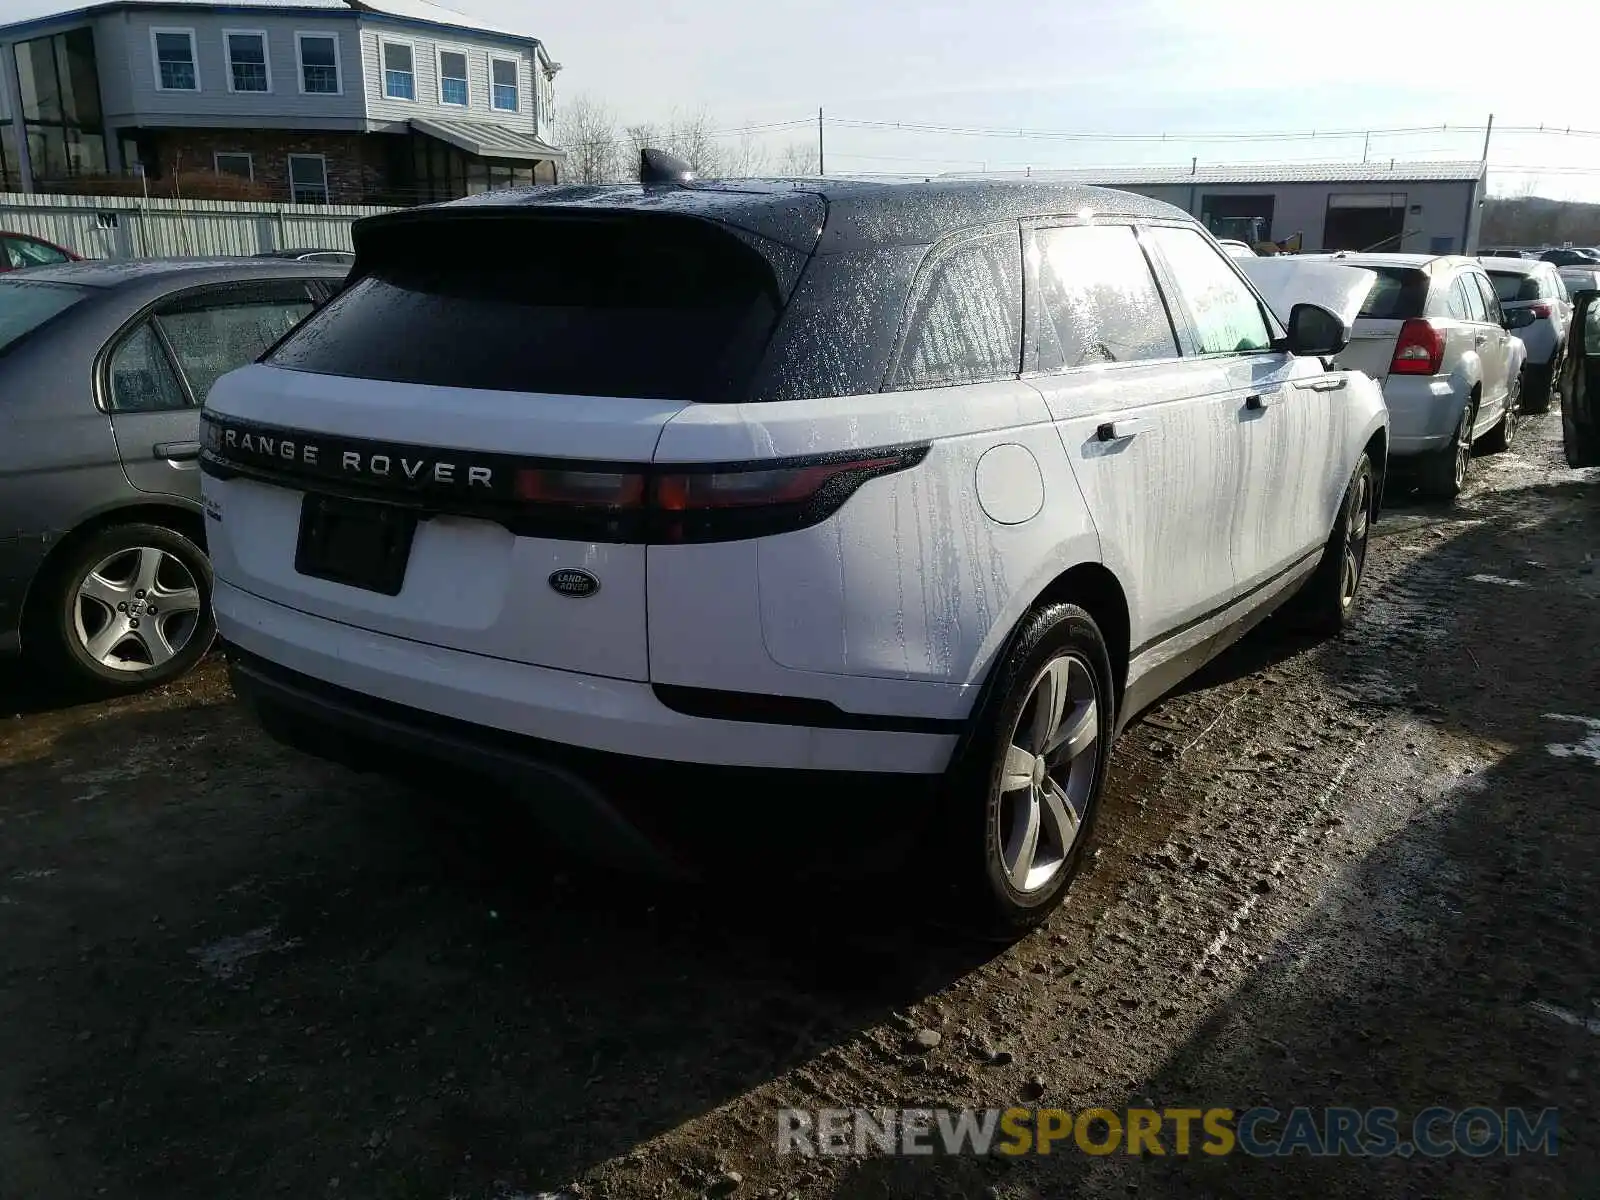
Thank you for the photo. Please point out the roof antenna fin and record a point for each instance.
(657, 168)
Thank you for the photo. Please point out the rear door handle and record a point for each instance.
(1328, 383)
(1261, 400)
(177, 451)
(1116, 431)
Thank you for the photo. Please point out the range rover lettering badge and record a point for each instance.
(570, 581)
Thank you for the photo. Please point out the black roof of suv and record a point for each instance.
(828, 216)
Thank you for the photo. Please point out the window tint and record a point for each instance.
(645, 307)
(142, 378)
(24, 306)
(1397, 294)
(1492, 312)
(1098, 300)
(966, 322)
(210, 342)
(1223, 311)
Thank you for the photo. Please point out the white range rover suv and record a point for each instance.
(942, 480)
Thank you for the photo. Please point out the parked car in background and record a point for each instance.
(1571, 256)
(1537, 310)
(783, 476)
(1432, 332)
(1579, 279)
(325, 256)
(103, 367)
(1580, 384)
(19, 251)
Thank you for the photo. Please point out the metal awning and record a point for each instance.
(484, 140)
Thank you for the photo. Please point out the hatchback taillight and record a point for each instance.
(1540, 311)
(1419, 350)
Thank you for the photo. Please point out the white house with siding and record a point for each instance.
(344, 101)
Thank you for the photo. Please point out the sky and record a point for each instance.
(1198, 73)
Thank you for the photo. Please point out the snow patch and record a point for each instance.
(1588, 748)
(223, 958)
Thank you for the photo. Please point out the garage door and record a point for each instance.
(1365, 221)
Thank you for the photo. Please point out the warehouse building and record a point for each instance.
(1422, 207)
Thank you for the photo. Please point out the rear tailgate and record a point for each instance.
(453, 449)
(1398, 294)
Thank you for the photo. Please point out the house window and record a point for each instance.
(399, 73)
(319, 63)
(248, 70)
(453, 78)
(504, 78)
(175, 60)
(308, 178)
(230, 162)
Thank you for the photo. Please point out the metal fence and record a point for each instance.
(132, 227)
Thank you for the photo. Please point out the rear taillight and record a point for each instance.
(677, 503)
(1540, 311)
(1419, 349)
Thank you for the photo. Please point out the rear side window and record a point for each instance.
(142, 378)
(966, 316)
(24, 306)
(654, 307)
(1397, 294)
(1098, 301)
(1224, 313)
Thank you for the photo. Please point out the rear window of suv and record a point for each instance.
(1512, 286)
(1397, 294)
(655, 307)
(25, 305)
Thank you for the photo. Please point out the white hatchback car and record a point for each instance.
(1433, 333)
(943, 480)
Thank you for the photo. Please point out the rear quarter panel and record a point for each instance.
(912, 580)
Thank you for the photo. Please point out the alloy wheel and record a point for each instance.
(1048, 777)
(136, 609)
(1357, 524)
(1463, 447)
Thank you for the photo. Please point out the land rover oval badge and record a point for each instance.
(570, 581)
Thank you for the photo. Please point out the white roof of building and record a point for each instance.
(407, 10)
(1388, 171)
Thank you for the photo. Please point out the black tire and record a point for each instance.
(1538, 390)
(1327, 600)
(981, 816)
(1498, 440)
(1442, 473)
(67, 621)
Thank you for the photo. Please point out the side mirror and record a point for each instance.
(1519, 319)
(1316, 332)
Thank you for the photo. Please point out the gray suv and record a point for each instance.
(103, 368)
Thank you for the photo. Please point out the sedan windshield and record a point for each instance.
(26, 305)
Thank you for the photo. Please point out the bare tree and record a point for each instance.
(797, 158)
(587, 131)
(746, 158)
(634, 139)
(692, 138)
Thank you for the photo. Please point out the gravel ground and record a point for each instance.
(1352, 873)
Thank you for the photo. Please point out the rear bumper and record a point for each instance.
(453, 705)
(1424, 411)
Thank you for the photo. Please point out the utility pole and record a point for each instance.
(821, 167)
(1366, 145)
(1488, 132)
